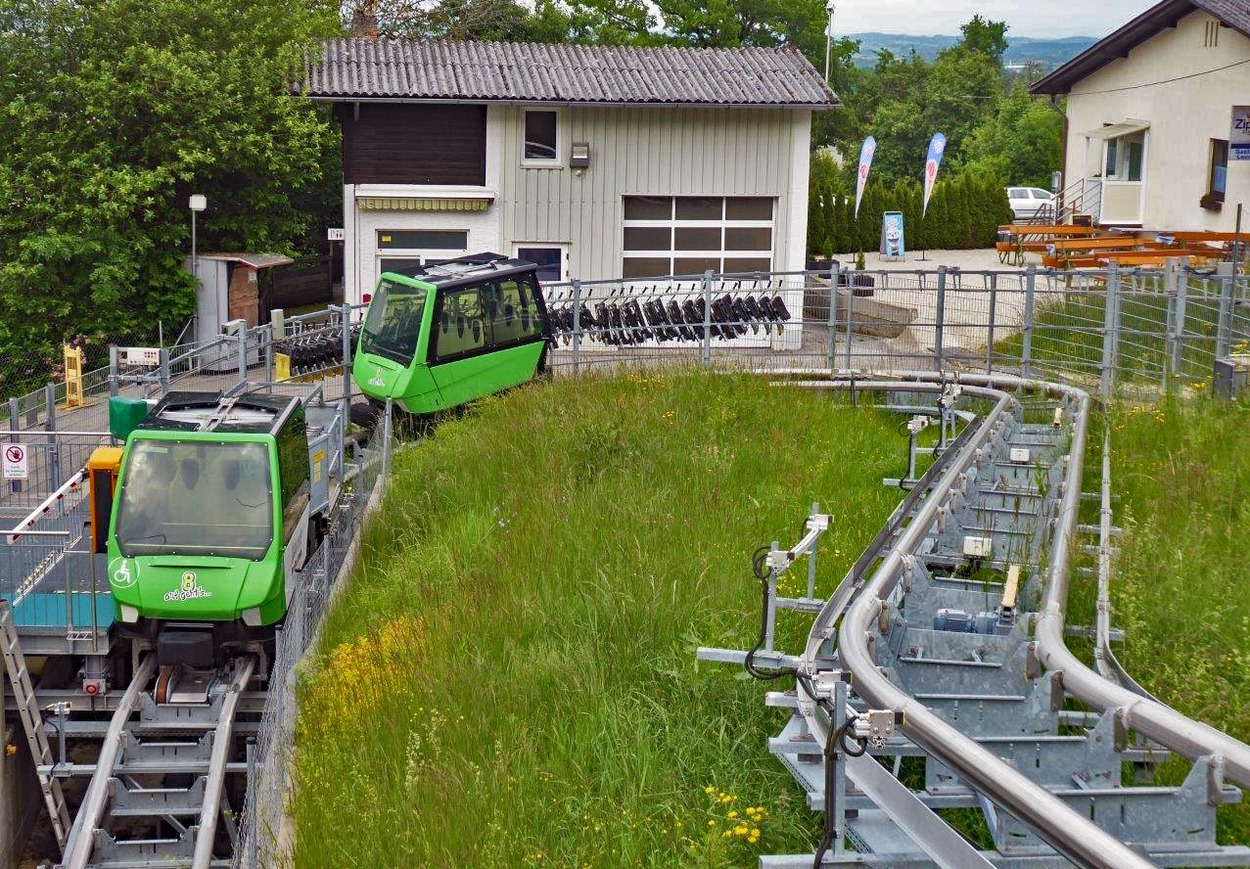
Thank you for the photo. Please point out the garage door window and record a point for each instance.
(687, 235)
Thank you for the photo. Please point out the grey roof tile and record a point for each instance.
(407, 69)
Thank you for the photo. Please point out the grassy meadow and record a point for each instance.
(510, 679)
(1180, 588)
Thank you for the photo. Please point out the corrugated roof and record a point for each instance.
(351, 69)
(1234, 13)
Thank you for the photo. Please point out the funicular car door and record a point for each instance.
(486, 336)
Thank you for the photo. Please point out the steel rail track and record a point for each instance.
(85, 838)
(1069, 832)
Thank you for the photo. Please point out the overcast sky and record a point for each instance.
(1024, 17)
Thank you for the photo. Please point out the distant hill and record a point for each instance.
(1020, 49)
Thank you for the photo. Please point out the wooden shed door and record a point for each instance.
(244, 301)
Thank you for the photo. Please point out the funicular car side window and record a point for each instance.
(515, 312)
(461, 326)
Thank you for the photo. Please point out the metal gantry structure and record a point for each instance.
(936, 675)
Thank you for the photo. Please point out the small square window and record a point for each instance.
(541, 135)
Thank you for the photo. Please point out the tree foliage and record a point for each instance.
(987, 37)
(1021, 143)
(111, 113)
(499, 20)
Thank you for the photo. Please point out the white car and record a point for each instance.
(1030, 202)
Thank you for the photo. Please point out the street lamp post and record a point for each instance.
(828, 38)
(198, 203)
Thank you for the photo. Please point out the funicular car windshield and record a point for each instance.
(394, 321)
(196, 498)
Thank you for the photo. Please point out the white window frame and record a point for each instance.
(556, 162)
(423, 254)
(672, 223)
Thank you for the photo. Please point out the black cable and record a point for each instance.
(759, 567)
(836, 740)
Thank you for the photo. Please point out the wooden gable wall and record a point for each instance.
(418, 143)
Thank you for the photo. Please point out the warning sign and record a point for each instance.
(15, 465)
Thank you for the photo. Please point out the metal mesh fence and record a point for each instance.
(1107, 328)
(264, 826)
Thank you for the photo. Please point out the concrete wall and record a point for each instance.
(1185, 90)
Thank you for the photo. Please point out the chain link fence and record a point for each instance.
(264, 832)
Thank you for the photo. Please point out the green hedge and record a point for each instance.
(965, 211)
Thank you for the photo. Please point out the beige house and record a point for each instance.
(1149, 113)
(596, 162)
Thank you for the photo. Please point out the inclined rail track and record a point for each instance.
(145, 743)
(849, 634)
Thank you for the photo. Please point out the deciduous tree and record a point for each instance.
(111, 113)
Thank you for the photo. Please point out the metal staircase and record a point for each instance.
(32, 723)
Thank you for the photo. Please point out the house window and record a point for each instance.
(550, 261)
(1217, 177)
(687, 235)
(402, 249)
(1218, 183)
(1124, 157)
(542, 136)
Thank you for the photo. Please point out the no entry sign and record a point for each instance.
(15, 462)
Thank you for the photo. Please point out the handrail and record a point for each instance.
(68, 486)
(1188, 737)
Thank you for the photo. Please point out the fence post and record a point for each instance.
(1108, 332)
(253, 799)
(850, 320)
(1178, 343)
(1026, 347)
(939, 319)
(15, 415)
(989, 338)
(243, 355)
(49, 406)
(54, 453)
(113, 385)
(163, 372)
(577, 325)
(833, 318)
(1223, 336)
(386, 440)
(707, 317)
(347, 360)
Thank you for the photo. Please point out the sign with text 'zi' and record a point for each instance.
(1239, 134)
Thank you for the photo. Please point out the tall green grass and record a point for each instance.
(1181, 582)
(510, 678)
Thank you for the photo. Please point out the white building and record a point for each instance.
(596, 162)
(1149, 113)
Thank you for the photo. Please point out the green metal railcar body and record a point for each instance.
(213, 511)
(441, 335)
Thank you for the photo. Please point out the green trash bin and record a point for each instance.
(125, 415)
